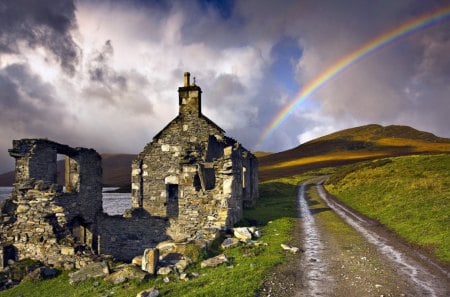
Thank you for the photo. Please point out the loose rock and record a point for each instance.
(97, 269)
(242, 233)
(182, 265)
(293, 249)
(164, 270)
(230, 243)
(215, 261)
(137, 261)
(126, 273)
(150, 260)
(152, 292)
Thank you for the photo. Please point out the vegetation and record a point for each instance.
(408, 194)
(351, 146)
(275, 215)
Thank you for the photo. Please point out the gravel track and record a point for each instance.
(347, 254)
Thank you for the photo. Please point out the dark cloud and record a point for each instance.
(101, 72)
(45, 23)
(121, 89)
(250, 58)
(28, 108)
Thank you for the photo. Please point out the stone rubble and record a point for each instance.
(125, 273)
(150, 260)
(93, 270)
(292, 249)
(242, 233)
(165, 270)
(230, 243)
(152, 292)
(214, 261)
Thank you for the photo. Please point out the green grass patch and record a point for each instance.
(410, 195)
(275, 214)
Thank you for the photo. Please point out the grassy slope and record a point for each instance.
(277, 205)
(408, 194)
(350, 146)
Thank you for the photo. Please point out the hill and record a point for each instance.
(339, 148)
(350, 146)
(260, 154)
(116, 171)
(407, 194)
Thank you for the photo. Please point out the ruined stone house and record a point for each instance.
(189, 183)
(43, 221)
(193, 174)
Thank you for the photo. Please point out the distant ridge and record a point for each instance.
(339, 148)
(116, 171)
(349, 146)
(259, 154)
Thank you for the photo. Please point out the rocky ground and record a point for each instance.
(337, 260)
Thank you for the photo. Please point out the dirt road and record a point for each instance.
(346, 254)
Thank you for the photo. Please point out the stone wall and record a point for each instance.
(42, 222)
(194, 175)
(189, 183)
(125, 237)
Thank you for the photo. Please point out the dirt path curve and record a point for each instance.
(346, 254)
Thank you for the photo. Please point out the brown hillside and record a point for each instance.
(116, 171)
(349, 146)
(259, 154)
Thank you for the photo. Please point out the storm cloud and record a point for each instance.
(104, 74)
(46, 23)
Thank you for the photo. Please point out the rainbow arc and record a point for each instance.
(405, 29)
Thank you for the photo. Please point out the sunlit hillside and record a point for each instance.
(407, 194)
(349, 146)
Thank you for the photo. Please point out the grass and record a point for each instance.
(410, 195)
(275, 214)
(333, 156)
(351, 146)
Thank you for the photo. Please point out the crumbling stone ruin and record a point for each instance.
(188, 184)
(42, 221)
(193, 174)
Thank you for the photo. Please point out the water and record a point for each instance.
(316, 269)
(113, 203)
(4, 192)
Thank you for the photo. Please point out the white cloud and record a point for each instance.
(116, 99)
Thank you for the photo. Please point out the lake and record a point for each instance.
(113, 203)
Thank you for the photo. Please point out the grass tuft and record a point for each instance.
(409, 195)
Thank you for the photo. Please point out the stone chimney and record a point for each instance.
(190, 97)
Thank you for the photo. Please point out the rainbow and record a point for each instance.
(379, 42)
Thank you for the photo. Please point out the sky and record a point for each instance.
(105, 74)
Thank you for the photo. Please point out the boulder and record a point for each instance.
(41, 273)
(230, 243)
(242, 233)
(182, 264)
(215, 261)
(291, 249)
(137, 261)
(165, 247)
(150, 260)
(164, 270)
(125, 273)
(93, 270)
(152, 292)
(184, 276)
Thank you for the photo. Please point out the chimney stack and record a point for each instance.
(187, 77)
